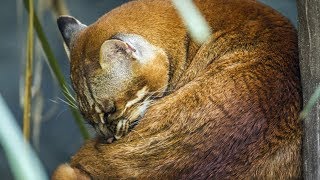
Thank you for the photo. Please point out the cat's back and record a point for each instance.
(237, 26)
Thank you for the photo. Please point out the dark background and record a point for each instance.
(59, 137)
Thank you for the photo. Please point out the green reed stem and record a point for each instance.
(53, 63)
(23, 161)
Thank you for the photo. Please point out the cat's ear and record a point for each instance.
(69, 28)
(109, 52)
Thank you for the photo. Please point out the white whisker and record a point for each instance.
(69, 95)
(60, 113)
(138, 134)
(69, 103)
(54, 101)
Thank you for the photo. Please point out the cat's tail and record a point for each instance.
(65, 172)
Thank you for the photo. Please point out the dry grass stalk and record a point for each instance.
(28, 76)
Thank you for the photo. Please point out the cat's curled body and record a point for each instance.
(228, 108)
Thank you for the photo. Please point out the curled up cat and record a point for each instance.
(165, 107)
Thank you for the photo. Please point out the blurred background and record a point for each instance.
(55, 136)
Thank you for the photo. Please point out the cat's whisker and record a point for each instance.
(68, 103)
(69, 95)
(147, 100)
(138, 134)
(54, 101)
(160, 91)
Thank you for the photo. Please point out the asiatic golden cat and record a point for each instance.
(166, 107)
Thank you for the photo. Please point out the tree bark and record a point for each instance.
(309, 45)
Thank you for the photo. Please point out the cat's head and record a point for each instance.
(115, 82)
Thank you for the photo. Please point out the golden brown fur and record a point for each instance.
(231, 106)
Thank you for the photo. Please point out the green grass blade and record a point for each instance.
(198, 27)
(53, 63)
(23, 162)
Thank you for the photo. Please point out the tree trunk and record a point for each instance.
(309, 45)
